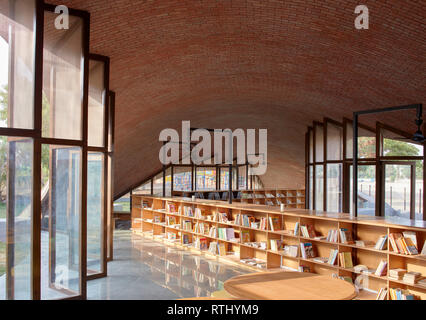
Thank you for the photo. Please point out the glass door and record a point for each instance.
(366, 189)
(399, 189)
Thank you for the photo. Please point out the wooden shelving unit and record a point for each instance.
(150, 216)
(291, 198)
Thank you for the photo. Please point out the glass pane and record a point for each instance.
(97, 96)
(206, 179)
(169, 182)
(61, 222)
(182, 177)
(319, 144)
(144, 189)
(334, 187)
(396, 146)
(334, 142)
(311, 146)
(95, 211)
(366, 143)
(242, 178)
(17, 48)
(311, 187)
(319, 188)
(16, 169)
(366, 190)
(63, 79)
(158, 185)
(122, 204)
(110, 207)
(397, 190)
(419, 190)
(349, 141)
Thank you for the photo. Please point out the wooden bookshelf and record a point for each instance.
(145, 209)
(291, 198)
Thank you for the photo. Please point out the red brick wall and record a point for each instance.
(253, 64)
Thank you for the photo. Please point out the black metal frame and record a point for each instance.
(417, 107)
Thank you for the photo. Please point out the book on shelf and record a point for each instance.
(296, 229)
(171, 236)
(221, 249)
(346, 236)
(397, 274)
(276, 244)
(188, 212)
(187, 225)
(404, 243)
(400, 294)
(308, 231)
(213, 232)
(291, 251)
(198, 213)
(382, 294)
(269, 196)
(274, 223)
(227, 234)
(411, 277)
(333, 257)
(332, 236)
(157, 219)
(346, 260)
(381, 244)
(411, 235)
(269, 203)
(421, 283)
(245, 236)
(423, 253)
(364, 243)
(171, 221)
(213, 247)
(307, 250)
(185, 239)
(320, 259)
(171, 208)
(382, 268)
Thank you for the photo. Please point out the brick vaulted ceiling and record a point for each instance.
(268, 64)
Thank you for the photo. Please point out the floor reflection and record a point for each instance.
(149, 270)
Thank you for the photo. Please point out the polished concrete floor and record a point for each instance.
(144, 269)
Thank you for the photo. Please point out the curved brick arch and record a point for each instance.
(252, 64)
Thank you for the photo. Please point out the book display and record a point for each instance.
(378, 249)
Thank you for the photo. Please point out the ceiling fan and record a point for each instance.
(418, 137)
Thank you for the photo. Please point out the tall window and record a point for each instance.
(17, 79)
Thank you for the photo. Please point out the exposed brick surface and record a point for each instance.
(253, 64)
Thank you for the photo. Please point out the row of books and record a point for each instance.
(187, 225)
(217, 248)
(221, 217)
(201, 228)
(405, 243)
(172, 207)
(382, 243)
(345, 259)
(227, 234)
(401, 294)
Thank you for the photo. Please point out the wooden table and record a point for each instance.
(289, 286)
